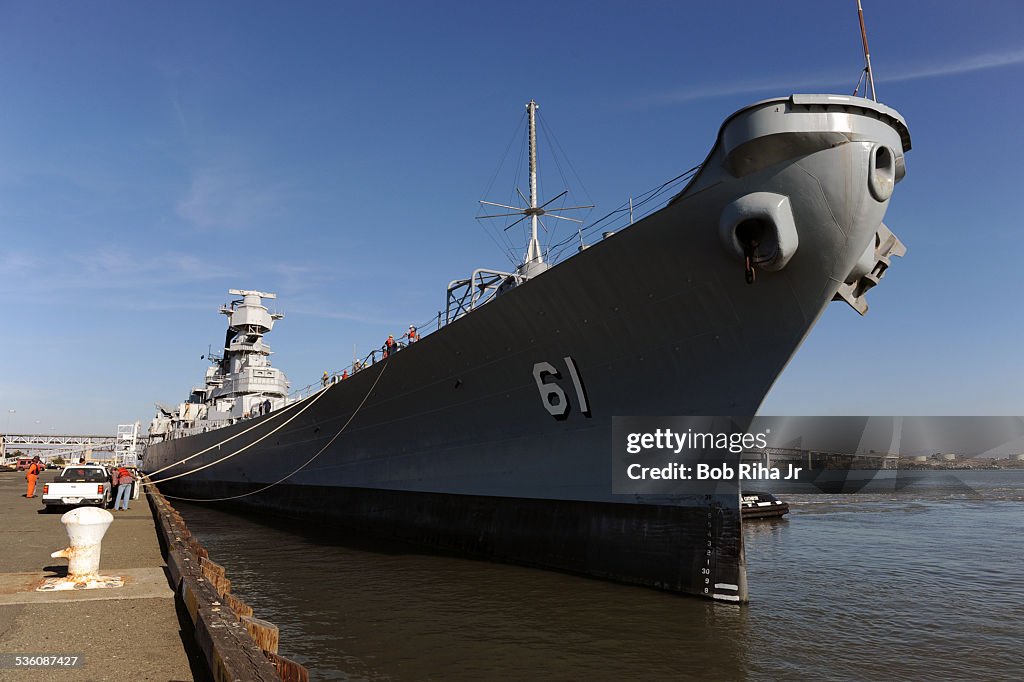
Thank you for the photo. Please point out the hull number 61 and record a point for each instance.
(552, 396)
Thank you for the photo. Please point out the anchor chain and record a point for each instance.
(748, 260)
(749, 234)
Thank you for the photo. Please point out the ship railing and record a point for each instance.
(634, 209)
(304, 392)
(208, 425)
(367, 360)
(464, 295)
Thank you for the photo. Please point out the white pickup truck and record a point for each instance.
(80, 484)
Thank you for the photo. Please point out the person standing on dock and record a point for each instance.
(32, 475)
(123, 479)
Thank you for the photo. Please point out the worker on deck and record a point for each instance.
(344, 375)
(32, 475)
(389, 346)
(412, 334)
(324, 379)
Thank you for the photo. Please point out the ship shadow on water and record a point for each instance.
(353, 606)
(330, 533)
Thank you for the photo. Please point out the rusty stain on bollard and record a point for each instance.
(85, 527)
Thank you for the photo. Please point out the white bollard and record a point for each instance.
(86, 527)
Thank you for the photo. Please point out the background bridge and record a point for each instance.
(816, 459)
(121, 447)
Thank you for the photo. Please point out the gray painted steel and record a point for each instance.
(657, 320)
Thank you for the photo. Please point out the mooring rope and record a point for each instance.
(246, 447)
(297, 470)
(283, 410)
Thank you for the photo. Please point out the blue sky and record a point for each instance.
(153, 155)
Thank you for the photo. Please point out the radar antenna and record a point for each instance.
(533, 263)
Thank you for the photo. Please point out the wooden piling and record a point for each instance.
(289, 670)
(211, 567)
(263, 632)
(237, 605)
(229, 651)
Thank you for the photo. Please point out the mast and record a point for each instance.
(533, 263)
(867, 54)
(533, 254)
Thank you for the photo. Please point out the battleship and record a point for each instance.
(491, 436)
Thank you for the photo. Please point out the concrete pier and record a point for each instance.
(128, 633)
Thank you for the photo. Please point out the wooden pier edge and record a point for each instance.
(235, 644)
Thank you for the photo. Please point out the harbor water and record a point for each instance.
(921, 584)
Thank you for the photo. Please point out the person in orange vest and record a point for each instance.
(32, 475)
(344, 375)
(123, 479)
(412, 335)
(389, 345)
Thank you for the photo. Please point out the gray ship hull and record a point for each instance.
(455, 444)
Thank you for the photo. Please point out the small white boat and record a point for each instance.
(762, 506)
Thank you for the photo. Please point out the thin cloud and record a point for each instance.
(295, 279)
(15, 264)
(180, 115)
(222, 196)
(114, 277)
(109, 270)
(309, 310)
(124, 268)
(779, 84)
(981, 62)
(782, 84)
